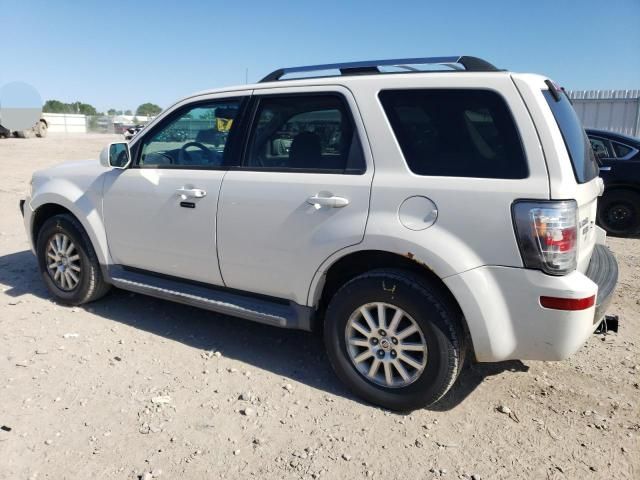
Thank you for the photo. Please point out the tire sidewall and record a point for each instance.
(42, 129)
(61, 224)
(628, 199)
(430, 315)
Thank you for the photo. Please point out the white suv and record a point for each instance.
(417, 210)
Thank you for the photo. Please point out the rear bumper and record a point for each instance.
(603, 271)
(506, 321)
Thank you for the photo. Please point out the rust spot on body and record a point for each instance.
(411, 256)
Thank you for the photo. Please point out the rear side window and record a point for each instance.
(578, 146)
(621, 150)
(304, 133)
(456, 133)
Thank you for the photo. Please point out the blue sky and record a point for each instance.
(121, 54)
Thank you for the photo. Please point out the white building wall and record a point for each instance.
(66, 122)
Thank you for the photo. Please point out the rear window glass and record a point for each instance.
(455, 133)
(578, 146)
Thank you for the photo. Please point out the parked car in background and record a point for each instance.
(619, 158)
(132, 131)
(39, 130)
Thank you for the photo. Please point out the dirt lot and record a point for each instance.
(132, 386)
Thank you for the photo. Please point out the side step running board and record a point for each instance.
(216, 299)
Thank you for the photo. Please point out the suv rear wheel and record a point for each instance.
(394, 339)
(67, 261)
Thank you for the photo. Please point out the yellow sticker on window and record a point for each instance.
(223, 124)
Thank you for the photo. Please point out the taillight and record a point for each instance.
(547, 233)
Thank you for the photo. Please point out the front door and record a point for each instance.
(160, 214)
(301, 194)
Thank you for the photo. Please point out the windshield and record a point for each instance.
(580, 152)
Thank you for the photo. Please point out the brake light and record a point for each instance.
(547, 233)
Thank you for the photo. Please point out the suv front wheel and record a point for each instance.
(394, 339)
(67, 261)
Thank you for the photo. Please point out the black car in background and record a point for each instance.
(619, 158)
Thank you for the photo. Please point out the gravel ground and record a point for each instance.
(134, 387)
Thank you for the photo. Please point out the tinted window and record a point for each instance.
(458, 133)
(621, 150)
(194, 138)
(583, 160)
(301, 132)
(600, 147)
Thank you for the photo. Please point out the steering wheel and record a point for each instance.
(184, 158)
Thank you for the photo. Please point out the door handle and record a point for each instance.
(605, 169)
(191, 193)
(332, 201)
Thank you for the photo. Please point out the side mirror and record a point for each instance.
(116, 155)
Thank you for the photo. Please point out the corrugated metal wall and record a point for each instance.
(613, 110)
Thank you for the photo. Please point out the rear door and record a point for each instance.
(301, 194)
(619, 161)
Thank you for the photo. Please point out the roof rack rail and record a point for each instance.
(470, 64)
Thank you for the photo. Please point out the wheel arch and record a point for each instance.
(355, 263)
(51, 204)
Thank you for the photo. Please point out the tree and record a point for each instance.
(148, 109)
(84, 108)
(128, 112)
(56, 106)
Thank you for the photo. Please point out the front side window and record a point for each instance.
(195, 138)
(456, 133)
(312, 133)
(580, 152)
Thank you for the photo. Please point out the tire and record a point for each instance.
(619, 212)
(25, 133)
(90, 285)
(425, 306)
(42, 129)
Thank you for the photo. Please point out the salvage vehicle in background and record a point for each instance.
(132, 131)
(476, 236)
(39, 130)
(619, 158)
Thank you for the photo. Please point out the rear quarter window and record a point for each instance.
(576, 141)
(456, 133)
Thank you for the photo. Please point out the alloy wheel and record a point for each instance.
(63, 262)
(386, 345)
